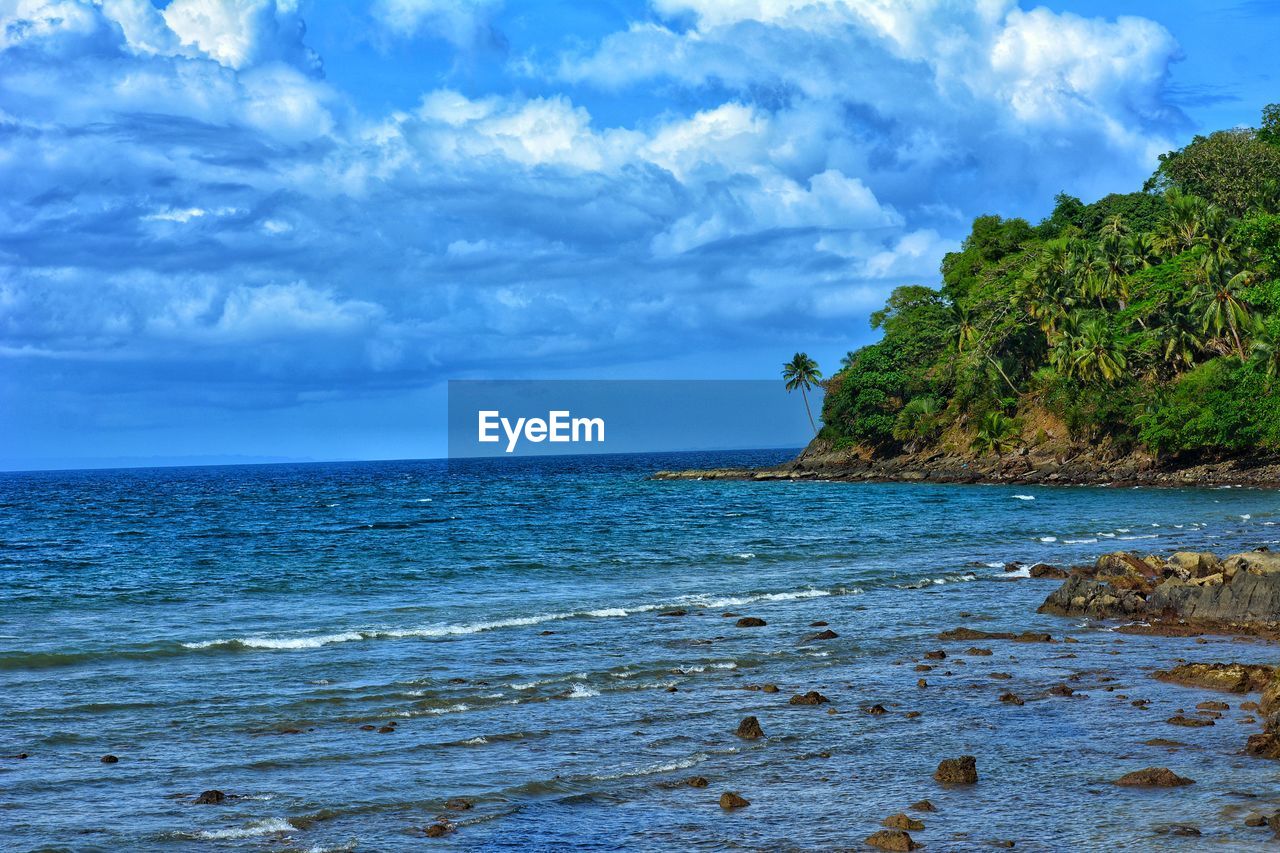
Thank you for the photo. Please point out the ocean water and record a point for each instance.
(234, 628)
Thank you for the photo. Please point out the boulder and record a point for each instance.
(697, 782)
(749, 729)
(438, 829)
(1154, 777)
(923, 806)
(957, 771)
(110, 759)
(730, 800)
(1011, 699)
(902, 821)
(751, 622)
(1193, 564)
(458, 804)
(1189, 722)
(211, 798)
(813, 697)
(1044, 570)
(820, 635)
(891, 839)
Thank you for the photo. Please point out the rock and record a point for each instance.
(751, 622)
(1191, 564)
(1213, 706)
(697, 782)
(974, 650)
(813, 697)
(876, 709)
(110, 759)
(891, 839)
(458, 804)
(677, 612)
(821, 635)
(938, 654)
(730, 800)
(902, 821)
(1154, 777)
(1255, 819)
(1248, 706)
(1230, 677)
(749, 729)
(1044, 570)
(1061, 690)
(957, 771)
(1159, 741)
(438, 830)
(769, 688)
(386, 730)
(911, 715)
(368, 728)
(1011, 699)
(923, 667)
(1189, 722)
(210, 798)
(1000, 676)
(818, 624)
(923, 806)
(920, 682)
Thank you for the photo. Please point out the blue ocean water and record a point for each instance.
(235, 628)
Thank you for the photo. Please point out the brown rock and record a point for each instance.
(730, 800)
(813, 697)
(697, 782)
(818, 624)
(974, 650)
(821, 635)
(957, 771)
(749, 729)
(386, 730)
(751, 622)
(770, 688)
(891, 839)
(438, 830)
(1154, 777)
(1231, 677)
(1061, 690)
(458, 804)
(920, 682)
(1213, 706)
(1160, 741)
(938, 654)
(677, 612)
(1011, 699)
(1189, 722)
(210, 798)
(923, 806)
(110, 759)
(902, 821)
(876, 709)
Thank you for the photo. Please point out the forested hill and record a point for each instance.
(1143, 323)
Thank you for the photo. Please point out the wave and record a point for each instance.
(1024, 497)
(581, 691)
(271, 826)
(1088, 541)
(1048, 538)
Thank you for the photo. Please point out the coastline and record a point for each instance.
(1076, 467)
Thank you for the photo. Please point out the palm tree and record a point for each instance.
(997, 432)
(1180, 344)
(963, 332)
(802, 372)
(1183, 225)
(1219, 303)
(1266, 350)
(1095, 353)
(918, 419)
(1143, 252)
(1116, 262)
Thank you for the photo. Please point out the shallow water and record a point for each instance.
(233, 628)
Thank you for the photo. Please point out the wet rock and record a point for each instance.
(368, 727)
(821, 635)
(974, 650)
(697, 782)
(751, 622)
(1248, 706)
(110, 759)
(1255, 819)
(769, 688)
(458, 804)
(1044, 570)
(211, 798)
(1231, 677)
(1061, 690)
(438, 830)
(902, 821)
(1265, 744)
(818, 624)
(749, 729)
(386, 730)
(891, 839)
(1000, 676)
(1213, 706)
(923, 806)
(957, 771)
(920, 682)
(875, 710)
(1153, 777)
(911, 715)
(1189, 722)
(677, 612)
(974, 634)
(1160, 741)
(938, 654)
(924, 667)
(1011, 699)
(813, 697)
(730, 800)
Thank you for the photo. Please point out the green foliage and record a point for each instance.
(1142, 318)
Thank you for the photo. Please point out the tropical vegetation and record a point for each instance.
(1146, 321)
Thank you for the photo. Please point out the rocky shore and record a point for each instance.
(1070, 465)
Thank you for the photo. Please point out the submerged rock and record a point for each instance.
(110, 759)
(749, 729)
(458, 804)
(697, 782)
(923, 806)
(1189, 722)
(210, 798)
(902, 821)
(891, 839)
(1230, 677)
(438, 830)
(821, 635)
(1011, 699)
(813, 697)
(1154, 777)
(730, 800)
(957, 771)
(751, 622)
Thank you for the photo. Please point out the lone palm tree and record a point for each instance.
(802, 372)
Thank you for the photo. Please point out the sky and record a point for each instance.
(248, 229)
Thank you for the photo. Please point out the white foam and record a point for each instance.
(1024, 497)
(1246, 516)
(1024, 572)
(476, 741)
(1142, 536)
(745, 555)
(1048, 538)
(1078, 541)
(282, 642)
(263, 827)
(435, 712)
(581, 691)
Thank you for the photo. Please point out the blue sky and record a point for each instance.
(270, 229)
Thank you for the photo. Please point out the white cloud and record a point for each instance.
(458, 21)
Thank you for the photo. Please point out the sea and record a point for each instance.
(540, 653)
